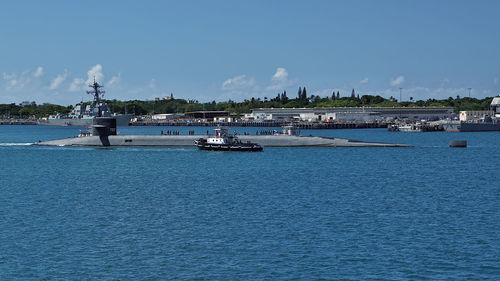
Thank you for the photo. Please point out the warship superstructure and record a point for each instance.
(483, 124)
(83, 115)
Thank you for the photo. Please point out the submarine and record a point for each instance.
(103, 133)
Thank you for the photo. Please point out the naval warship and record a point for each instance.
(83, 115)
(485, 123)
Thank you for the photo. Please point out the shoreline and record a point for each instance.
(184, 123)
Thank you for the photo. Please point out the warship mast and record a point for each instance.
(96, 92)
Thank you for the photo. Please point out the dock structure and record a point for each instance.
(300, 125)
(18, 122)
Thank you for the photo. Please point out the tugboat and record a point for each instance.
(223, 141)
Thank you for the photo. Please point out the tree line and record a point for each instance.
(302, 99)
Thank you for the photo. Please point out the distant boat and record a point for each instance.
(404, 127)
(83, 116)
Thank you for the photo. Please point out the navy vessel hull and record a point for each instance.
(121, 120)
(471, 127)
(236, 146)
(188, 140)
(243, 148)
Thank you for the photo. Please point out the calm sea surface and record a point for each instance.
(423, 213)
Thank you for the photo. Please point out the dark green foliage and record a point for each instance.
(15, 111)
(139, 107)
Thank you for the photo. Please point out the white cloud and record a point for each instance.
(38, 72)
(280, 75)
(495, 81)
(364, 81)
(397, 81)
(115, 80)
(10, 79)
(77, 85)
(280, 80)
(242, 86)
(238, 82)
(16, 82)
(56, 82)
(28, 81)
(95, 72)
(7, 76)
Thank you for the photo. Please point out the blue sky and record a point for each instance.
(220, 50)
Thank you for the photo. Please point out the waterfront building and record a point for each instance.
(166, 116)
(349, 114)
(473, 115)
(206, 114)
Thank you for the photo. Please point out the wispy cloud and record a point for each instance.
(19, 81)
(115, 80)
(495, 80)
(244, 86)
(364, 81)
(77, 85)
(58, 80)
(280, 80)
(238, 82)
(10, 79)
(397, 81)
(95, 72)
(38, 72)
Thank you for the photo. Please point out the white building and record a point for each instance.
(474, 115)
(167, 116)
(223, 119)
(349, 113)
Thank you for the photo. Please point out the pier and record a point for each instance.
(300, 125)
(18, 122)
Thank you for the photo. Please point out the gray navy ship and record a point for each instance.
(483, 124)
(83, 115)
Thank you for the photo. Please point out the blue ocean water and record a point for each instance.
(424, 213)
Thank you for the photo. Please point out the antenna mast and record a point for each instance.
(96, 92)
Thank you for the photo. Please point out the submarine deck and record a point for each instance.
(188, 140)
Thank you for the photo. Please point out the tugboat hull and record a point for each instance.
(249, 147)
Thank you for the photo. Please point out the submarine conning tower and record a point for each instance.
(101, 126)
(104, 126)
